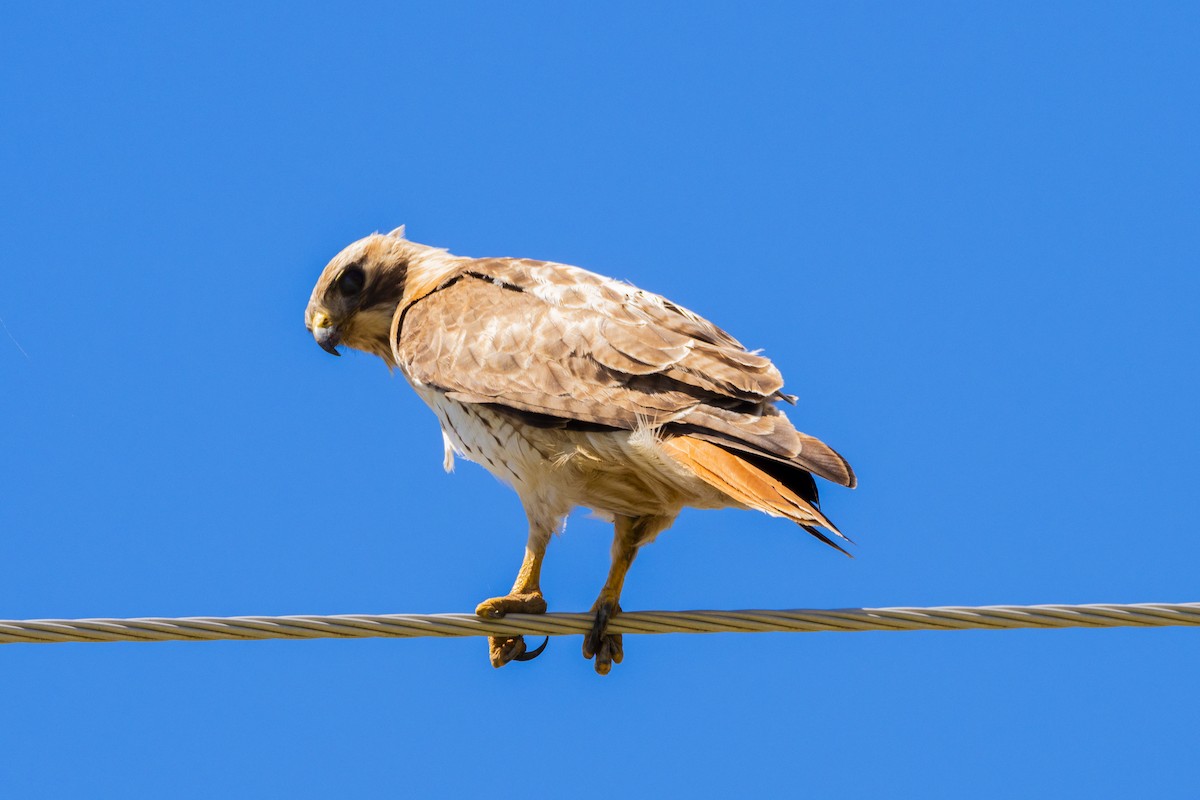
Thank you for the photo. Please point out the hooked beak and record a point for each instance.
(327, 334)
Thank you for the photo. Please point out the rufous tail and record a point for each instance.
(749, 485)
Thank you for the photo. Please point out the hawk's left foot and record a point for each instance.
(503, 649)
(605, 647)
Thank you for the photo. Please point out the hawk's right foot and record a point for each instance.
(503, 649)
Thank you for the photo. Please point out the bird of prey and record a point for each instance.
(577, 390)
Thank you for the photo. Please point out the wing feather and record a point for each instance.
(559, 341)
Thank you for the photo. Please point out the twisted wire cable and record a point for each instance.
(362, 626)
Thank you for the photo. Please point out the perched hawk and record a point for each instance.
(577, 390)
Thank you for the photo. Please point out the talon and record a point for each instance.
(595, 637)
(505, 649)
(532, 654)
(603, 615)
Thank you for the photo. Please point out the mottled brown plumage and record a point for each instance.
(577, 390)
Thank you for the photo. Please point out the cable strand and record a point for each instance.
(362, 626)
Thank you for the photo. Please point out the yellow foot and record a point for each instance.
(605, 647)
(524, 603)
(503, 649)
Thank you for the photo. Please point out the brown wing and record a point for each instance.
(559, 341)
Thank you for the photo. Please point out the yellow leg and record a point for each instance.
(630, 534)
(525, 598)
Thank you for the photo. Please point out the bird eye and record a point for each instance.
(351, 281)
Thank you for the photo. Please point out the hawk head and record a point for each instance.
(357, 294)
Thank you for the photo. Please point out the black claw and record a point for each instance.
(530, 655)
(603, 615)
(595, 636)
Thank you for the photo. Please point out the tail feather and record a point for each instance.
(822, 459)
(815, 456)
(749, 485)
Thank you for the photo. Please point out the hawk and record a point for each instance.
(576, 390)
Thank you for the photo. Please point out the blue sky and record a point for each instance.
(967, 235)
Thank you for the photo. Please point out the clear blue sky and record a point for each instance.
(967, 234)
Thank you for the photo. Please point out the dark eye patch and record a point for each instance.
(351, 281)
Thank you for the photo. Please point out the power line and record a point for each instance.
(362, 626)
